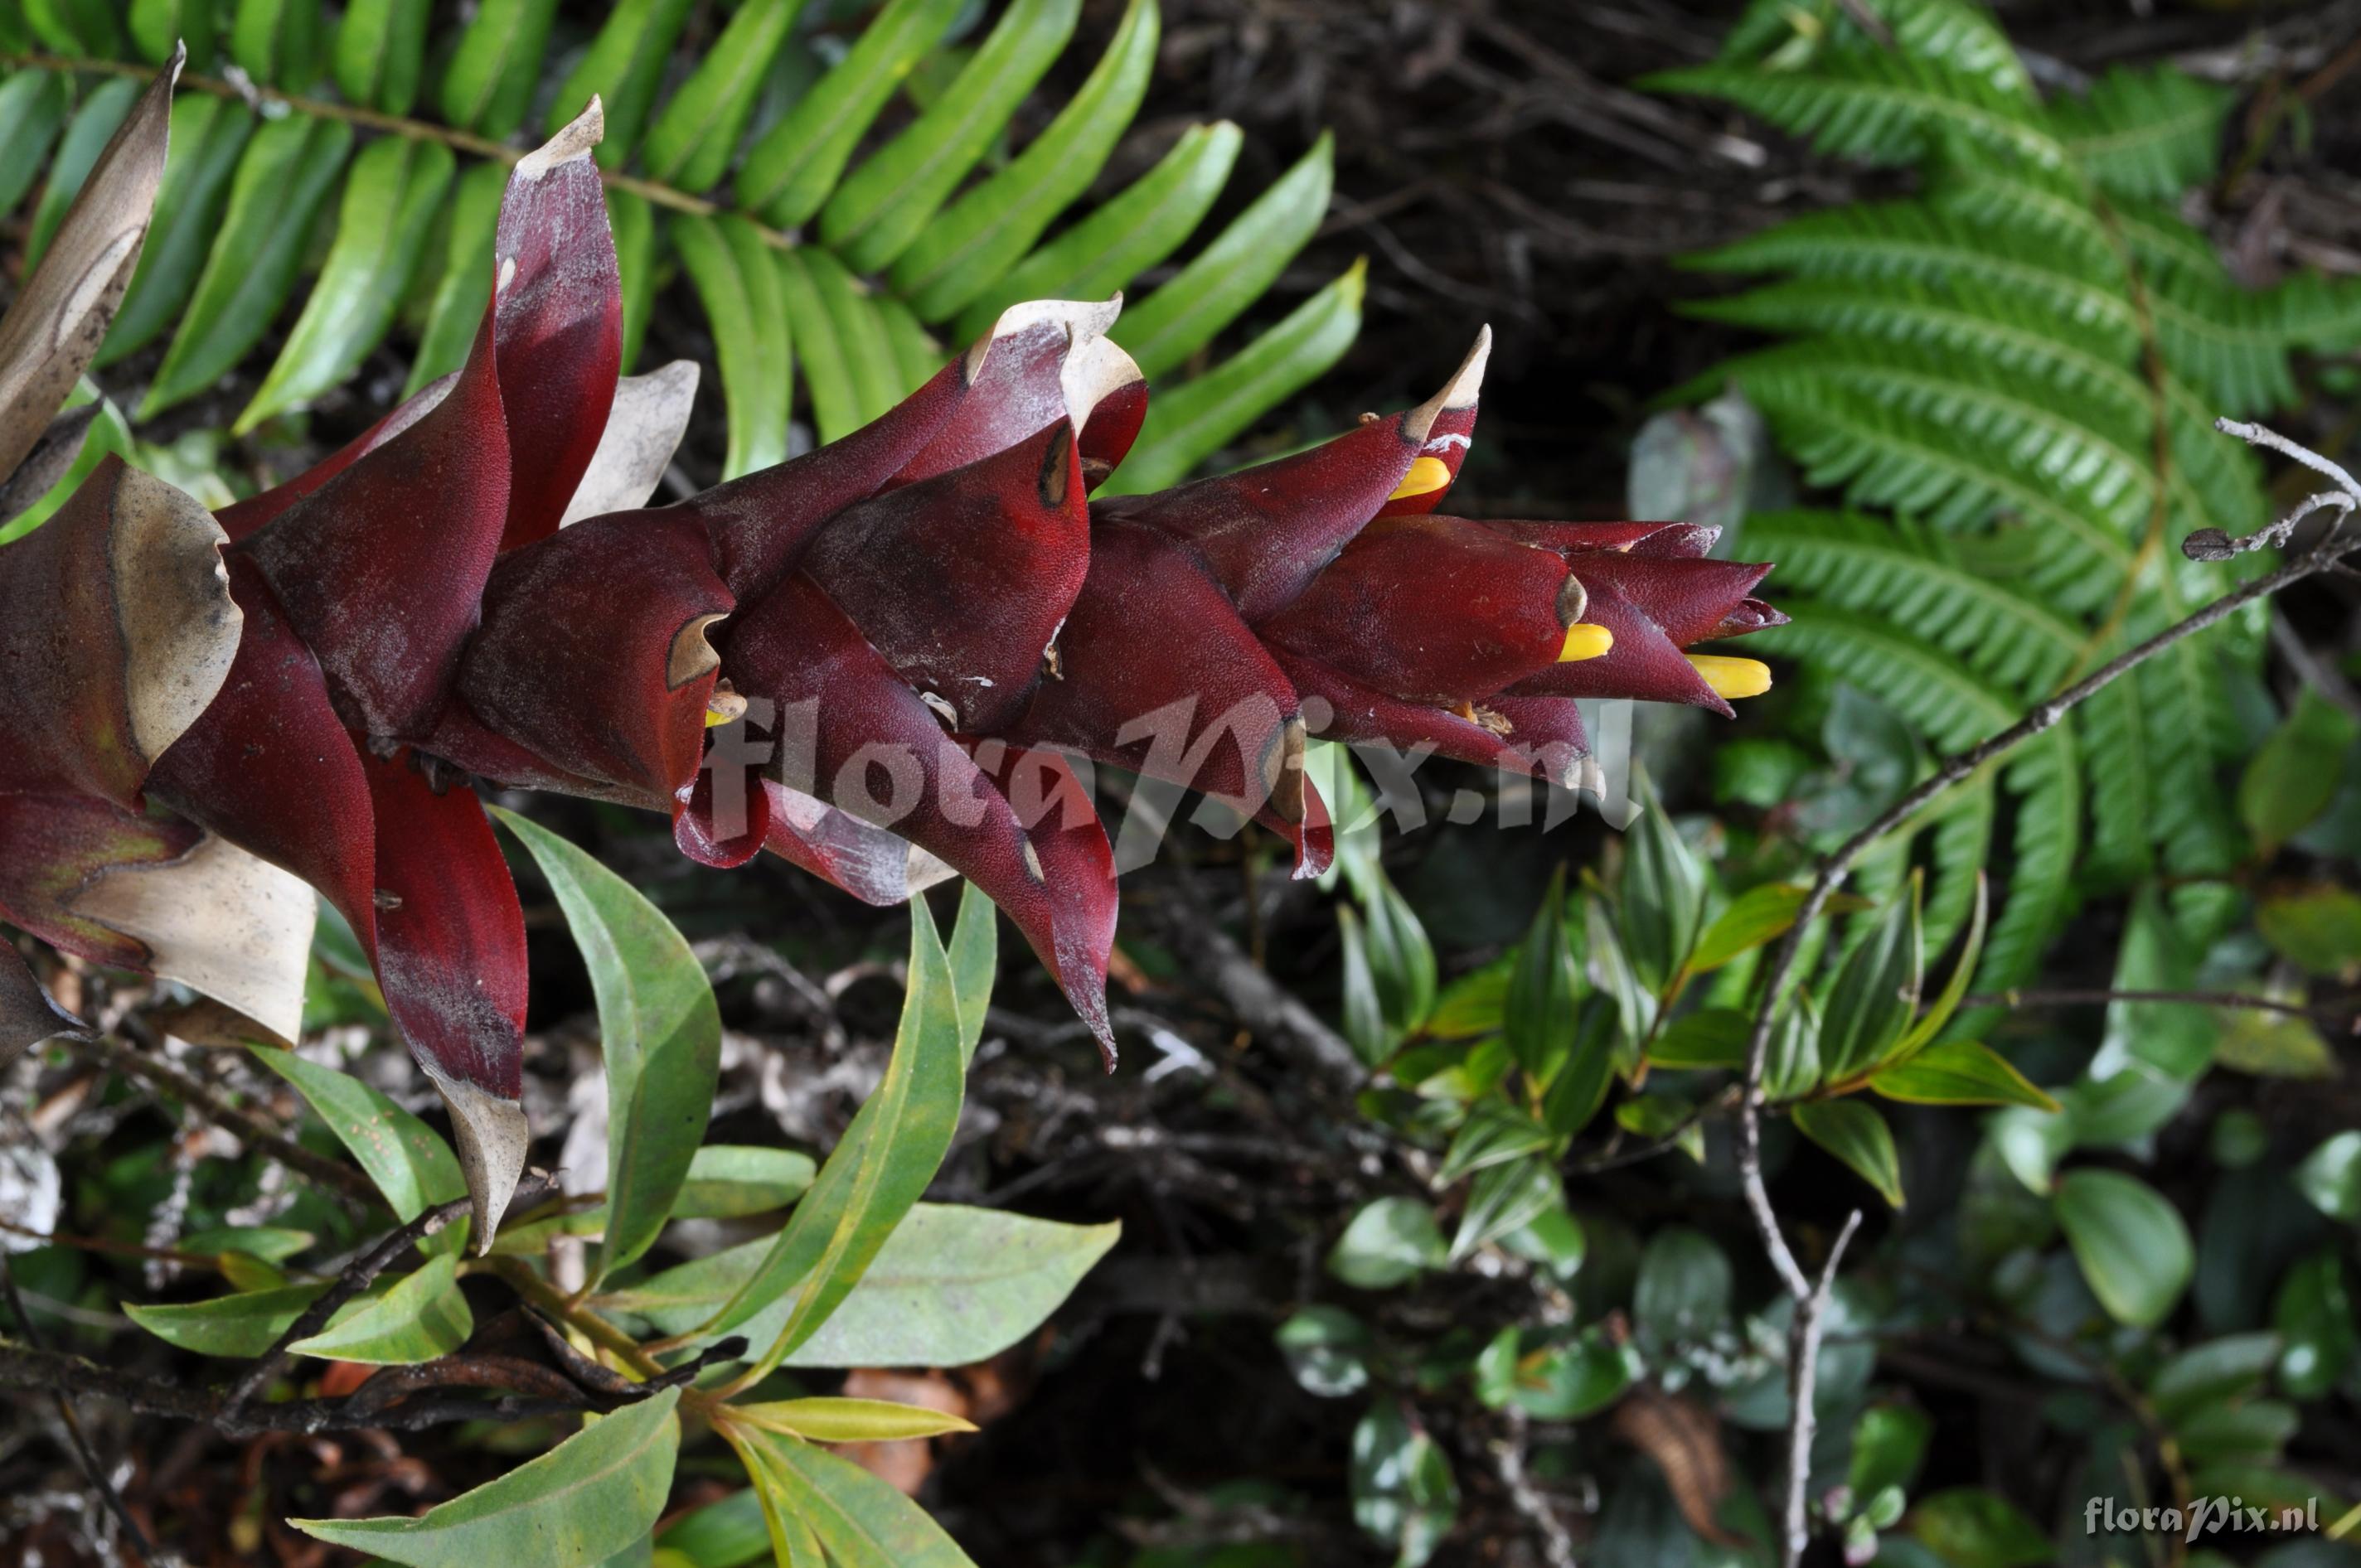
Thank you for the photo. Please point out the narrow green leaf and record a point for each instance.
(791, 168)
(1494, 1134)
(86, 136)
(1580, 1087)
(1401, 958)
(862, 1521)
(1875, 992)
(1505, 1198)
(623, 67)
(33, 107)
(455, 311)
(488, 87)
(87, 28)
(986, 231)
(2231, 1367)
(1123, 237)
(860, 332)
(208, 135)
(1544, 989)
(917, 356)
(1858, 1135)
(855, 1421)
(632, 222)
(1709, 1037)
(2295, 772)
(409, 1163)
(278, 42)
(243, 1325)
(659, 1027)
(380, 54)
(828, 376)
(421, 1316)
(2134, 1249)
(975, 962)
(155, 26)
(691, 143)
(727, 1180)
(1758, 915)
(586, 1499)
(893, 196)
(888, 1155)
(1190, 424)
(1182, 315)
(738, 282)
(1659, 902)
(390, 201)
(1958, 1072)
(284, 176)
(1930, 1024)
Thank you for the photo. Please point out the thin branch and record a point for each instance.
(76, 1439)
(1803, 1380)
(1509, 1463)
(2346, 1018)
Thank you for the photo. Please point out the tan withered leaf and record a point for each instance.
(644, 428)
(1685, 1442)
(27, 1016)
(57, 321)
(43, 467)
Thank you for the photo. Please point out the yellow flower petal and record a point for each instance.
(1584, 639)
(1733, 678)
(1426, 475)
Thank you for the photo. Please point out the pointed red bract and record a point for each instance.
(56, 844)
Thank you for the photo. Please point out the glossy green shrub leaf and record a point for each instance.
(380, 54)
(409, 1163)
(1122, 239)
(2318, 928)
(1328, 1351)
(1683, 1293)
(1404, 1494)
(975, 960)
(659, 1028)
(1366, 1027)
(94, 120)
(279, 42)
(1709, 1037)
(2319, 1333)
(1889, 1444)
(1495, 1132)
(33, 106)
(2330, 1176)
(1222, 280)
(243, 1325)
(420, 1316)
(586, 1499)
(1389, 1242)
(888, 1157)
(856, 1421)
(1876, 992)
(1401, 958)
(207, 136)
(691, 143)
(282, 179)
(1661, 897)
(989, 228)
(455, 310)
(488, 87)
(792, 167)
(1544, 989)
(155, 26)
(2293, 774)
(623, 67)
(1958, 1072)
(1192, 423)
(736, 279)
(891, 198)
(1970, 1528)
(391, 197)
(632, 222)
(726, 1180)
(1505, 1198)
(1758, 915)
(1858, 1135)
(2133, 1246)
(860, 1521)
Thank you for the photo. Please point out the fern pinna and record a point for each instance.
(2012, 377)
(845, 201)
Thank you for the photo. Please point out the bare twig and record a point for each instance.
(1509, 1463)
(1803, 1379)
(76, 1439)
(2344, 1018)
(1266, 1008)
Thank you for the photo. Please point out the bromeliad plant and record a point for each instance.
(931, 603)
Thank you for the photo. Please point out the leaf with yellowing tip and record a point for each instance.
(851, 1420)
(861, 1520)
(1858, 1135)
(1958, 1072)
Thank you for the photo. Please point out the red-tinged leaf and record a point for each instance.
(868, 863)
(51, 846)
(1036, 368)
(28, 1015)
(1062, 824)
(1432, 609)
(1658, 539)
(1265, 532)
(853, 734)
(1199, 702)
(380, 569)
(116, 628)
(1644, 664)
(593, 652)
(1446, 443)
(722, 827)
(451, 961)
(1691, 599)
(559, 305)
(1547, 745)
(961, 580)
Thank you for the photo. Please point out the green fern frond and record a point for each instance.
(2041, 896)
(2151, 133)
(1957, 34)
(1880, 107)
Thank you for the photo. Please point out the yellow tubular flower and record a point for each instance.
(1426, 475)
(1733, 678)
(1584, 639)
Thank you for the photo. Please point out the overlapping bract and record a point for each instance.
(874, 661)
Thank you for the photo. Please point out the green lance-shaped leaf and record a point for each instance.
(283, 177)
(860, 330)
(586, 1499)
(85, 139)
(242, 1325)
(1579, 1088)
(33, 109)
(1858, 1135)
(2294, 773)
(1958, 1072)
(208, 135)
(1708, 1038)
(1955, 989)
(84, 27)
(2133, 1248)
(409, 1163)
(624, 67)
(455, 309)
(691, 143)
(860, 1521)
(828, 375)
(659, 1027)
(1401, 958)
(1876, 992)
(1124, 237)
(888, 1155)
(738, 282)
(422, 1315)
(891, 198)
(1494, 1134)
(991, 227)
(1661, 897)
(917, 355)
(975, 960)
(278, 42)
(380, 53)
(951, 1286)
(853, 1420)
(488, 87)
(1188, 425)
(726, 1181)
(1181, 317)
(155, 26)
(390, 201)
(1505, 1198)
(633, 225)
(792, 167)
(1544, 989)
(1758, 915)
